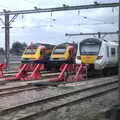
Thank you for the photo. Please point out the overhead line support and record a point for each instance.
(7, 37)
(65, 8)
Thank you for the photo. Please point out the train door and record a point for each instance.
(107, 56)
(72, 53)
(112, 59)
(42, 53)
(47, 53)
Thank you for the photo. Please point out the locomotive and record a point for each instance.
(37, 53)
(63, 53)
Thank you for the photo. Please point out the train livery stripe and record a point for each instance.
(88, 59)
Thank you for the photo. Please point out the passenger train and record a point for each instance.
(37, 53)
(99, 54)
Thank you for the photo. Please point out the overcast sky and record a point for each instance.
(51, 27)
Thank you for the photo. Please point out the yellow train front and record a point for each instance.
(63, 53)
(37, 53)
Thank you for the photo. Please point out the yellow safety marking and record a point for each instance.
(88, 59)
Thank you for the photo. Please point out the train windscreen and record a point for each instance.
(90, 47)
(30, 51)
(59, 50)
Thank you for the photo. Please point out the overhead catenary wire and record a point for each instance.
(54, 22)
(67, 25)
(95, 20)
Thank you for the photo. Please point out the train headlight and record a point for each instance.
(99, 57)
(78, 57)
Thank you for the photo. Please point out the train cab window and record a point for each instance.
(59, 51)
(112, 51)
(30, 50)
(90, 47)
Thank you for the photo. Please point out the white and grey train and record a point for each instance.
(99, 54)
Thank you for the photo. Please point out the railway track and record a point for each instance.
(45, 75)
(5, 91)
(9, 73)
(20, 86)
(34, 109)
(17, 87)
(8, 91)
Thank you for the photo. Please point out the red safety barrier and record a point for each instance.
(35, 75)
(2, 67)
(24, 72)
(71, 72)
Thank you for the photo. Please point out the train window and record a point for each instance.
(89, 49)
(117, 50)
(30, 51)
(107, 51)
(112, 51)
(59, 51)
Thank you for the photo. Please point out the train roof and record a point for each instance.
(90, 40)
(99, 40)
(43, 44)
(65, 44)
(109, 42)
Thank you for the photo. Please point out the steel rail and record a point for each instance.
(94, 90)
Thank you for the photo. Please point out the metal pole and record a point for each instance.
(7, 38)
(99, 35)
(116, 107)
(119, 51)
